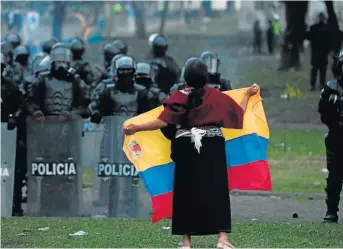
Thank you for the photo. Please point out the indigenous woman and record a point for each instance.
(201, 204)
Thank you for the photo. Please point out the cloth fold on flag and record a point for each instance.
(246, 155)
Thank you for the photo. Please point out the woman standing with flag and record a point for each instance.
(201, 204)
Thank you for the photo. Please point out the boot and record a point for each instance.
(331, 217)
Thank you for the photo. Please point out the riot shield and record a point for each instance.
(54, 175)
(8, 150)
(123, 194)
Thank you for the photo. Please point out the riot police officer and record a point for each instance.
(21, 64)
(48, 44)
(82, 67)
(14, 39)
(331, 113)
(110, 92)
(121, 45)
(151, 96)
(13, 112)
(61, 92)
(212, 61)
(121, 98)
(165, 71)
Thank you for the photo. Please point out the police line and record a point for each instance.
(55, 175)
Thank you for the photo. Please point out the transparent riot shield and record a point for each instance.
(8, 150)
(54, 175)
(120, 193)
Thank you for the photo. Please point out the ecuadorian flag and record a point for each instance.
(246, 155)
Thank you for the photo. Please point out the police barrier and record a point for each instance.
(54, 176)
(8, 150)
(121, 192)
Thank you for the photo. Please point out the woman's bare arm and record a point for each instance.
(151, 125)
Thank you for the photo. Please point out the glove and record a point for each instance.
(65, 115)
(11, 124)
(38, 116)
(333, 98)
(96, 118)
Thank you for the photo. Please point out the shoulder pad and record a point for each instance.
(332, 85)
(159, 62)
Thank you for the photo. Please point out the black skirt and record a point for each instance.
(201, 204)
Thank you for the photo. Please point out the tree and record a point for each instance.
(164, 16)
(58, 13)
(334, 27)
(140, 19)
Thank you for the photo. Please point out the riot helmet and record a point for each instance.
(21, 55)
(121, 45)
(113, 70)
(110, 51)
(212, 61)
(48, 44)
(126, 67)
(35, 64)
(61, 57)
(195, 73)
(77, 47)
(14, 39)
(158, 45)
(143, 74)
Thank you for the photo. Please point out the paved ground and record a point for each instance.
(245, 206)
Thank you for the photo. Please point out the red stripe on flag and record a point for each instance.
(162, 206)
(250, 176)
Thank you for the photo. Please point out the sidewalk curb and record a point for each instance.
(309, 196)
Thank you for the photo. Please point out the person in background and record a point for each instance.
(81, 66)
(198, 112)
(320, 40)
(270, 37)
(257, 37)
(165, 71)
(331, 113)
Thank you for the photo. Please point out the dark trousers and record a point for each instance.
(20, 171)
(334, 160)
(322, 75)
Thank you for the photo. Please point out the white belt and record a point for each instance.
(196, 136)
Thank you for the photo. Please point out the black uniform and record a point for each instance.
(165, 71)
(331, 112)
(82, 68)
(61, 92)
(14, 112)
(320, 39)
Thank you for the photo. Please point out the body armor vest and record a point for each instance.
(58, 96)
(124, 104)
